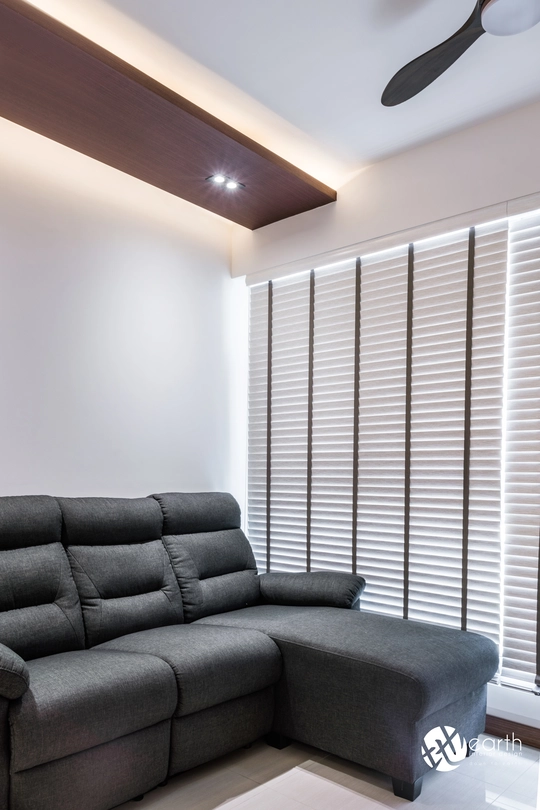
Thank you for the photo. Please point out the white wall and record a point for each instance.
(487, 164)
(122, 335)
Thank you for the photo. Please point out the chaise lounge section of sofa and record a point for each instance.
(137, 640)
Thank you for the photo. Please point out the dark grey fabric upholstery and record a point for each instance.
(90, 729)
(99, 778)
(372, 732)
(226, 592)
(125, 589)
(192, 512)
(318, 588)
(216, 571)
(427, 665)
(14, 674)
(81, 699)
(211, 664)
(368, 687)
(40, 613)
(467, 714)
(4, 753)
(213, 732)
(212, 553)
(29, 520)
(110, 521)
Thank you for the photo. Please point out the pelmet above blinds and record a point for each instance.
(377, 439)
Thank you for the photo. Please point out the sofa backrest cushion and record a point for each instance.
(211, 556)
(110, 521)
(192, 512)
(29, 520)
(40, 612)
(124, 589)
(121, 569)
(216, 571)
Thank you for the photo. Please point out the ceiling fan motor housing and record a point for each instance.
(504, 18)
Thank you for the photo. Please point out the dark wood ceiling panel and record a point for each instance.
(65, 87)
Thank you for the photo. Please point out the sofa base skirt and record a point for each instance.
(203, 736)
(388, 744)
(99, 778)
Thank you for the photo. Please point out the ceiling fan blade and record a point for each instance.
(421, 72)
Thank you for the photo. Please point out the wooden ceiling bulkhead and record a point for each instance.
(63, 86)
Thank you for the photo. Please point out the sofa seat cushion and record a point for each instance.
(77, 700)
(211, 664)
(427, 665)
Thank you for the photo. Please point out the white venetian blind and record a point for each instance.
(257, 422)
(484, 541)
(289, 430)
(437, 429)
(389, 372)
(522, 450)
(333, 420)
(456, 429)
(382, 408)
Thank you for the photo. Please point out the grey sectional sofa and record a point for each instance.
(137, 640)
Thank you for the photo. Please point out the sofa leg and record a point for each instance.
(407, 790)
(470, 751)
(277, 740)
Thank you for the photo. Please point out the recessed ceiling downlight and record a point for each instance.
(504, 18)
(224, 181)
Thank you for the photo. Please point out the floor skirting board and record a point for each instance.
(499, 727)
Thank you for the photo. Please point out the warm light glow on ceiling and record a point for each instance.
(149, 53)
(52, 170)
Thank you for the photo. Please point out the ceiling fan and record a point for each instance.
(499, 17)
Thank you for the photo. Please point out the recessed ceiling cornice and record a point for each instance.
(65, 87)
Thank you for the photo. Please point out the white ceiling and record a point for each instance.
(322, 64)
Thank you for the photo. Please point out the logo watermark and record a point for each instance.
(444, 748)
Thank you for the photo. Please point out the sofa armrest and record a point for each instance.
(316, 588)
(14, 674)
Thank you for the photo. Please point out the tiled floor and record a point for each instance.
(299, 777)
